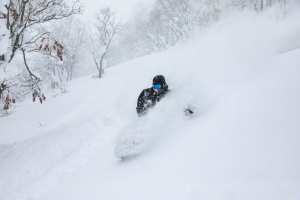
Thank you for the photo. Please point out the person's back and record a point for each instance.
(150, 96)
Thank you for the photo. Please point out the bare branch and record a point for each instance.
(23, 15)
(107, 27)
(32, 75)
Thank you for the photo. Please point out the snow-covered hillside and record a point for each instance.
(241, 76)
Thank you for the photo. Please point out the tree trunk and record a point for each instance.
(101, 67)
(261, 5)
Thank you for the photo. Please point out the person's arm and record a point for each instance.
(140, 103)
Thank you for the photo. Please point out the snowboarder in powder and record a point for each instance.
(150, 96)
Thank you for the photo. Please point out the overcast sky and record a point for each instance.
(124, 8)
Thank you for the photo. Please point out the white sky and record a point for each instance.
(123, 8)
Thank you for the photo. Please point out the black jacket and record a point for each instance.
(148, 98)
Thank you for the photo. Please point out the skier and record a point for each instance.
(150, 96)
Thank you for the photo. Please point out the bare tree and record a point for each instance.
(54, 71)
(22, 16)
(107, 27)
(258, 5)
(74, 41)
(6, 97)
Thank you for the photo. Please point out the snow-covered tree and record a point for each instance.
(22, 19)
(107, 28)
(55, 72)
(24, 29)
(167, 23)
(258, 5)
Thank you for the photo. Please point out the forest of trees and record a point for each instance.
(46, 39)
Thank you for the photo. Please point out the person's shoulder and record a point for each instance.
(147, 91)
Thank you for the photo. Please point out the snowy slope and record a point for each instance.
(242, 144)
